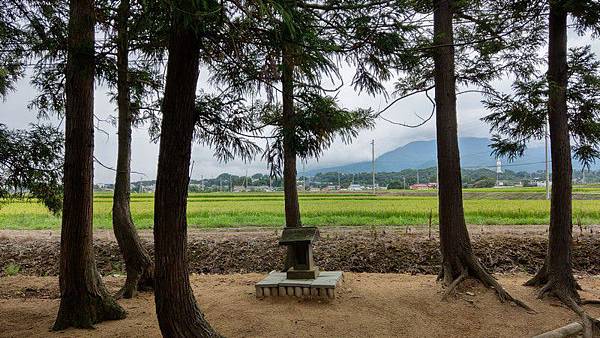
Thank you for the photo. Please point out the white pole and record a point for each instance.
(373, 162)
(547, 172)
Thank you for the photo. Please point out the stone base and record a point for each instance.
(276, 284)
(302, 274)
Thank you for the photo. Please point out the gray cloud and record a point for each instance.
(14, 113)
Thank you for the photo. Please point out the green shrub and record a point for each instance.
(12, 269)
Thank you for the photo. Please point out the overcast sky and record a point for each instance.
(14, 113)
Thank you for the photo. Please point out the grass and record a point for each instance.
(214, 210)
(11, 269)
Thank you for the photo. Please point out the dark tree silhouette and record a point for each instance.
(138, 264)
(176, 308)
(84, 300)
(458, 260)
(567, 99)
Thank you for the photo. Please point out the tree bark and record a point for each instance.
(290, 189)
(454, 238)
(84, 300)
(138, 264)
(556, 276)
(458, 260)
(176, 308)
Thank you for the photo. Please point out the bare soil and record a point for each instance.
(501, 249)
(368, 305)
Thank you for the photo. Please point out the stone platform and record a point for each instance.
(276, 284)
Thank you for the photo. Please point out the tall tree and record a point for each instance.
(567, 99)
(284, 49)
(176, 308)
(138, 264)
(84, 300)
(486, 34)
(134, 80)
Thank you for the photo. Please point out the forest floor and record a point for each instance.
(367, 305)
(389, 286)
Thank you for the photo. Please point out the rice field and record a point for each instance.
(214, 210)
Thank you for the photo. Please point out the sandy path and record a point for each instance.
(369, 305)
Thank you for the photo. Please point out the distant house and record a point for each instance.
(356, 187)
(423, 186)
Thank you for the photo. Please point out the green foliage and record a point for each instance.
(317, 122)
(31, 165)
(11, 269)
(484, 183)
(488, 44)
(520, 116)
(223, 123)
(13, 48)
(495, 206)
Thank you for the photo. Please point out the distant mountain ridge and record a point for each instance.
(474, 152)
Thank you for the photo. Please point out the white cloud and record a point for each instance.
(13, 112)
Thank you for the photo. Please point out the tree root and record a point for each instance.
(455, 283)
(85, 310)
(591, 326)
(569, 297)
(137, 281)
(590, 302)
(475, 270)
(541, 279)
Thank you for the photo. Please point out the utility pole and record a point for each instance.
(373, 163)
(304, 174)
(498, 171)
(404, 183)
(547, 173)
(418, 176)
(339, 181)
(220, 184)
(246, 180)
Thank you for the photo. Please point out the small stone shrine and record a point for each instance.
(303, 278)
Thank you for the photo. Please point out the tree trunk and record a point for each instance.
(138, 263)
(84, 300)
(458, 261)
(454, 238)
(290, 189)
(176, 308)
(556, 275)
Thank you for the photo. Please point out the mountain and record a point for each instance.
(474, 152)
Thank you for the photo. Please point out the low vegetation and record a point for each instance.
(214, 210)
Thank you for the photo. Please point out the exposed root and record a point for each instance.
(129, 289)
(455, 283)
(136, 282)
(567, 294)
(489, 281)
(85, 310)
(475, 270)
(591, 326)
(590, 302)
(540, 278)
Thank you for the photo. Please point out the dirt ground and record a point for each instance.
(368, 305)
